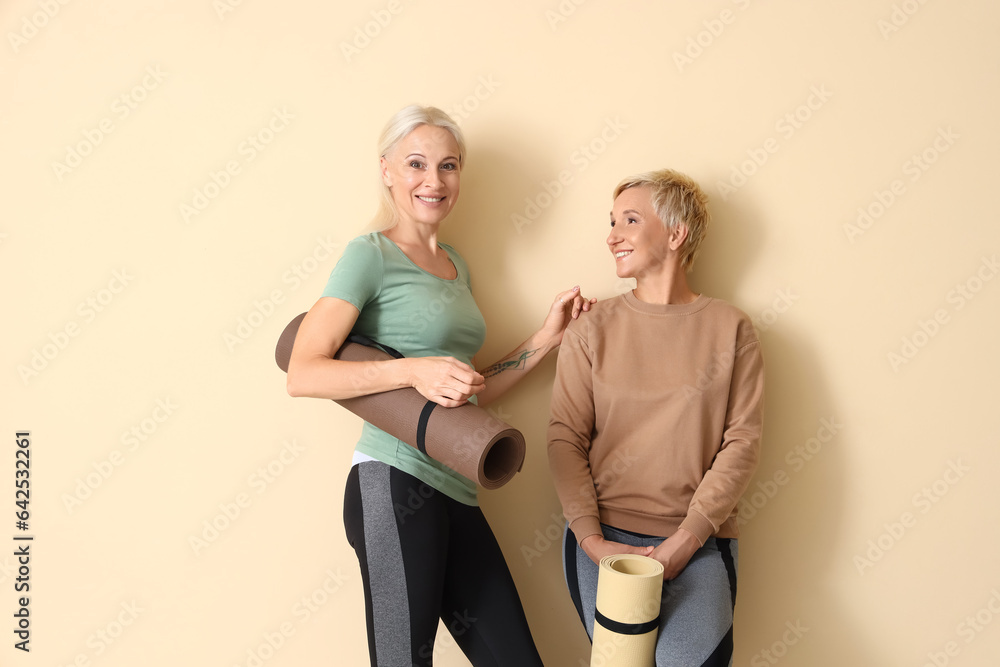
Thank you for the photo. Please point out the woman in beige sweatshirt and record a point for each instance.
(656, 421)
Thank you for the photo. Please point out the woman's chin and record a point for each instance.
(622, 272)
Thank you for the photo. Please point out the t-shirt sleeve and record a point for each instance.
(357, 277)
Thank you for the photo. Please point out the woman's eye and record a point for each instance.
(631, 219)
(415, 164)
(450, 166)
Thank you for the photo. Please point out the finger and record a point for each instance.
(568, 295)
(468, 380)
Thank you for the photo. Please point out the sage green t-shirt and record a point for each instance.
(420, 315)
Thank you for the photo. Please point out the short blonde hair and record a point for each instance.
(677, 200)
(406, 120)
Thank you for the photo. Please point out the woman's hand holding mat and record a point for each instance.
(465, 438)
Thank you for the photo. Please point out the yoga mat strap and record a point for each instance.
(425, 415)
(625, 628)
(365, 340)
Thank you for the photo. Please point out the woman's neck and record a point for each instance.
(671, 287)
(420, 238)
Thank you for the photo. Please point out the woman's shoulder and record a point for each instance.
(727, 317)
(723, 309)
(594, 321)
(370, 245)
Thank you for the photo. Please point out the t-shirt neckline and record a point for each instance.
(700, 302)
(420, 268)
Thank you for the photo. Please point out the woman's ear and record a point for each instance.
(383, 165)
(678, 235)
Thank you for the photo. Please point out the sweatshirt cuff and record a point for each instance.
(585, 526)
(698, 525)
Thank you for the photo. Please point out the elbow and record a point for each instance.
(293, 386)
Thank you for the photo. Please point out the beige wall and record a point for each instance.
(145, 308)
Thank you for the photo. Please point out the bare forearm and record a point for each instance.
(507, 372)
(322, 377)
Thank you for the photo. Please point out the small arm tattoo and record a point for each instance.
(511, 363)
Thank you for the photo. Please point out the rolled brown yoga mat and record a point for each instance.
(467, 439)
(627, 620)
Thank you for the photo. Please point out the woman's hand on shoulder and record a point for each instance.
(445, 380)
(597, 548)
(567, 306)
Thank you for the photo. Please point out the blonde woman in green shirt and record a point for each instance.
(436, 558)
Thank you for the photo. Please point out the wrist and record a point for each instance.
(405, 372)
(543, 342)
(690, 538)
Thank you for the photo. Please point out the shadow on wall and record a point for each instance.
(495, 180)
(791, 512)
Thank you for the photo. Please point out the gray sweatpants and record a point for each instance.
(696, 613)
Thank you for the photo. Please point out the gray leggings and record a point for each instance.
(696, 614)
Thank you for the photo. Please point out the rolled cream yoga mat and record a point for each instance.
(467, 439)
(628, 611)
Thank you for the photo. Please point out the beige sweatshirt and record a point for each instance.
(656, 417)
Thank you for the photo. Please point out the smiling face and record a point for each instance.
(641, 244)
(422, 173)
